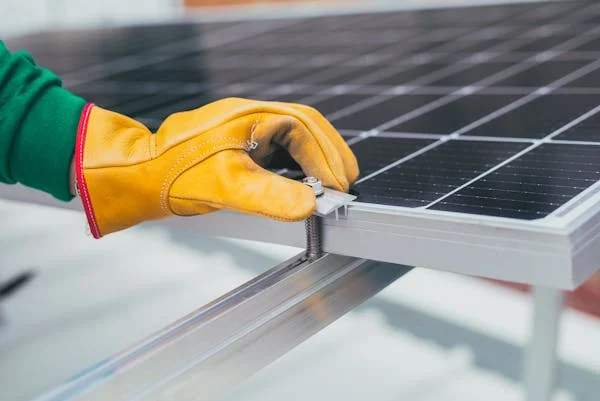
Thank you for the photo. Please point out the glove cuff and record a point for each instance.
(82, 188)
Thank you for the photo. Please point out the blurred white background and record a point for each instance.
(431, 336)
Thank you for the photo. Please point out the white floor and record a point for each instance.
(91, 298)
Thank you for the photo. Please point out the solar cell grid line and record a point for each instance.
(369, 177)
(374, 74)
(582, 14)
(549, 11)
(556, 182)
(536, 59)
(229, 34)
(496, 118)
(533, 146)
(306, 39)
(576, 142)
(513, 106)
(429, 175)
(542, 74)
(442, 46)
(376, 152)
(405, 135)
(547, 111)
(368, 102)
(586, 131)
(374, 51)
(477, 86)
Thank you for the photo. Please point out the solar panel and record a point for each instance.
(478, 111)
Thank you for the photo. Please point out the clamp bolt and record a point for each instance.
(313, 223)
(315, 184)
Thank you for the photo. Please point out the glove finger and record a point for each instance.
(232, 180)
(306, 143)
(348, 158)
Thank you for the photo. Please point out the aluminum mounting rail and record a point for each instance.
(205, 354)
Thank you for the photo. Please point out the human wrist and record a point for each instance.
(42, 153)
(73, 177)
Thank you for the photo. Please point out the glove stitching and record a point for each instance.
(243, 210)
(170, 178)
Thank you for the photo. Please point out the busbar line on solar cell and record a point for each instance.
(583, 117)
(373, 174)
(480, 176)
(501, 111)
(582, 13)
(154, 55)
(567, 90)
(453, 67)
(444, 47)
(415, 135)
(593, 66)
(535, 145)
(375, 75)
(403, 118)
(498, 112)
(541, 170)
(406, 158)
(575, 201)
(354, 140)
(459, 63)
(490, 138)
(527, 99)
(572, 142)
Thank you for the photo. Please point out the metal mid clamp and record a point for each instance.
(328, 201)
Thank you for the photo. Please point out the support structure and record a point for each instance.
(541, 356)
(205, 354)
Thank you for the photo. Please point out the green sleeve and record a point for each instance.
(38, 125)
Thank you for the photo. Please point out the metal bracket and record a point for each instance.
(327, 201)
(331, 201)
(207, 352)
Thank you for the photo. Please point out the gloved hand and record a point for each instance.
(203, 160)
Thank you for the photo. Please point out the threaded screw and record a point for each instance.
(313, 223)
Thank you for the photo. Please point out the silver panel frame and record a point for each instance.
(557, 252)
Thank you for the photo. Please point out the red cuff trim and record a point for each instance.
(81, 185)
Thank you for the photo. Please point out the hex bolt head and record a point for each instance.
(315, 184)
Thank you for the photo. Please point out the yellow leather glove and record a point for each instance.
(203, 160)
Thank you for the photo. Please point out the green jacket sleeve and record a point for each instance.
(38, 125)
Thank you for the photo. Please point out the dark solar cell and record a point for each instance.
(586, 130)
(337, 103)
(370, 117)
(589, 80)
(539, 117)
(541, 44)
(375, 153)
(455, 115)
(531, 186)
(590, 45)
(406, 76)
(472, 74)
(542, 74)
(431, 175)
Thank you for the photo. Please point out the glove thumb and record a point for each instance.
(231, 180)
